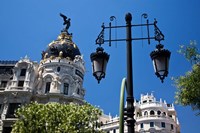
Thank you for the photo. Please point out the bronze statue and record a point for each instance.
(66, 22)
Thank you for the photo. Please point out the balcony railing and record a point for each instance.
(154, 117)
(154, 104)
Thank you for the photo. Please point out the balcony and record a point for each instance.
(154, 118)
(19, 88)
(153, 104)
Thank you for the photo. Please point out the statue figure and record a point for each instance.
(43, 53)
(66, 22)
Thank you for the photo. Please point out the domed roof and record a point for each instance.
(63, 47)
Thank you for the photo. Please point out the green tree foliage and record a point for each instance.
(56, 118)
(188, 86)
(190, 52)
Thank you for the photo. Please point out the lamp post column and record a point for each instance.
(130, 100)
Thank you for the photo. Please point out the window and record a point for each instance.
(8, 70)
(58, 69)
(48, 86)
(78, 91)
(101, 123)
(169, 105)
(151, 112)
(162, 124)
(114, 130)
(164, 114)
(151, 124)
(7, 129)
(145, 101)
(158, 112)
(145, 113)
(172, 127)
(138, 114)
(0, 110)
(23, 72)
(66, 88)
(21, 83)
(141, 125)
(11, 110)
(3, 84)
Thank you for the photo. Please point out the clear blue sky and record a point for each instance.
(28, 26)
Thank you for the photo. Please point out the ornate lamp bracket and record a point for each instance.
(158, 34)
(100, 38)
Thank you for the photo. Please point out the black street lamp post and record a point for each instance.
(160, 58)
(129, 99)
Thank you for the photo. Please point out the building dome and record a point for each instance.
(63, 47)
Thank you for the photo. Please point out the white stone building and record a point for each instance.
(59, 78)
(151, 116)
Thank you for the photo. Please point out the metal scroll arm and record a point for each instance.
(100, 38)
(158, 34)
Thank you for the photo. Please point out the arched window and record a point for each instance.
(152, 112)
(65, 88)
(158, 112)
(138, 114)
(145, 113)
(48, 86)
(164, 114)
(48, 81)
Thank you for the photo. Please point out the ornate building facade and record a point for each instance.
(151, 116)
(59, 78)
